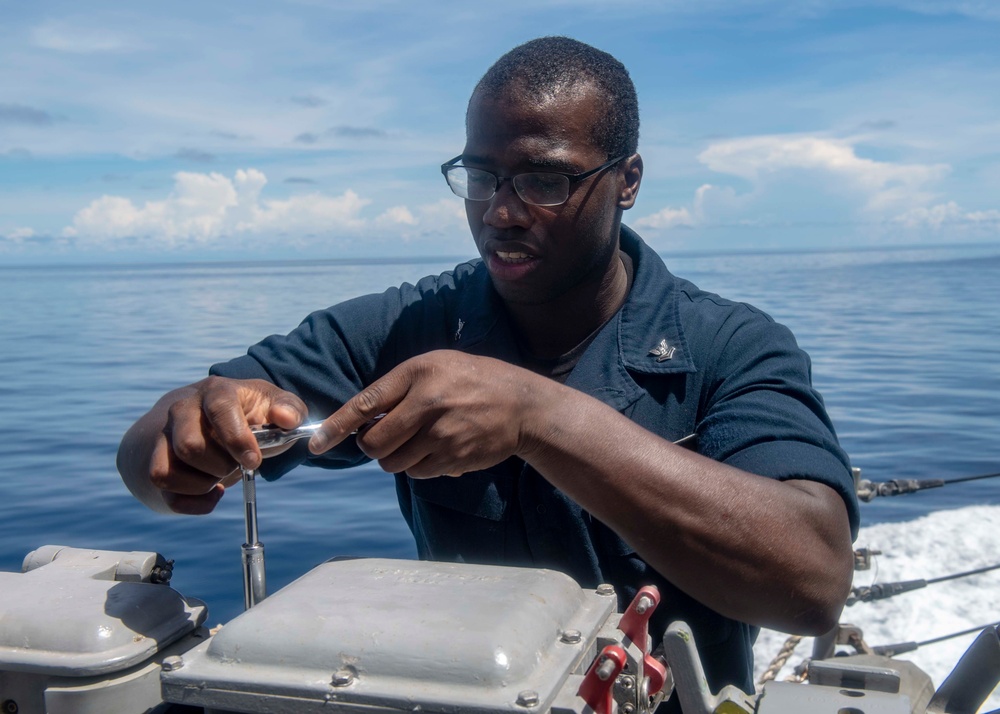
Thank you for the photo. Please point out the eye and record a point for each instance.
(547, 182)
(480, 180)
(542, 189)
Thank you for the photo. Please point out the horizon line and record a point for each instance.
(424, 259)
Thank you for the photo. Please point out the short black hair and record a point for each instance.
(546, 65)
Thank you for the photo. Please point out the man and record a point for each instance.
(550, 379)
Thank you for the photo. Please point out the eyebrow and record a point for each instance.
(557, 165)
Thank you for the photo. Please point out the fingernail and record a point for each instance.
(318, 442)
(249, 460)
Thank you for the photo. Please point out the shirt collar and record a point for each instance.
(651, 340)
(643, 337)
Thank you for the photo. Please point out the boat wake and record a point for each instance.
(939, 544)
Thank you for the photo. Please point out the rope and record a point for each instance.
(779, 660)
(801, 673)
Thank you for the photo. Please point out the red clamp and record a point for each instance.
(635, 625)
(600, 679)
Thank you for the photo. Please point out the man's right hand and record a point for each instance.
(181, 455)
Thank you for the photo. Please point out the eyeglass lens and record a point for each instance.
(538, 188)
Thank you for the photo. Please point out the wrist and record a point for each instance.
(540, 407)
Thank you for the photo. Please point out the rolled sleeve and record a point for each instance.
(763, 415)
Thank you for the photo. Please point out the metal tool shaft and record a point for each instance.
(269, 435)
(254, 580)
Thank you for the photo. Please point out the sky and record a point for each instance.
(312, 129)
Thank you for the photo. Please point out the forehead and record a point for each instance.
(515, 128)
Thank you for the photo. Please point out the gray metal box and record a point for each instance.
(387, 635)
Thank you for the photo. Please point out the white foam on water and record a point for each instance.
(939, 544)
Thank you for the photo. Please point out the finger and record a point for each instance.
(432, 467)
(284, 408)
(421, 457)
(194, 505)
(360, 411)
(232, 479)
(169, 474)
(397, 449)
(191, 442)
(226, 409)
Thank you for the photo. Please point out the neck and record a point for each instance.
(557, 327)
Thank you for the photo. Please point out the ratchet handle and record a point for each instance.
(270, 435)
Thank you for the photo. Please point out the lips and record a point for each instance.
(512, 256)
(507, 246)
(509, 263)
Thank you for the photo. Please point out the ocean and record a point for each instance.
(905, 346)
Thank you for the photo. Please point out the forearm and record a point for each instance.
(755, 549)
(752, 548)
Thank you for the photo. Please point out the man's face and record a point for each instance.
(537, 254)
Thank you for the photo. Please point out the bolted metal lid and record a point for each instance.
(80, 613)
(397, 635)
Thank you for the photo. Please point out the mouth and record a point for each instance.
(510, 263)
(512, 257)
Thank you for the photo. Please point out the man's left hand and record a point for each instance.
(446, 413)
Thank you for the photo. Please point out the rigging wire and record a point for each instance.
(900, 647)
(881, 591)
(955, 576)
(867, 490)
(971, 478)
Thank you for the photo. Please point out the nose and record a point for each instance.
(506, 209)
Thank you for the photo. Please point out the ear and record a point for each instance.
(632, 175)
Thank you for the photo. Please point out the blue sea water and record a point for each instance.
(905, 346)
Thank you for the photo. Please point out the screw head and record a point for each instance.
(527, 698)
(171, 663)
(605, 669)
(605, 589)
(342, 678)
(570, 637)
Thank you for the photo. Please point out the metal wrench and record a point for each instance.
(268, 436)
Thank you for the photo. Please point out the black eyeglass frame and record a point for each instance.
(573, 178)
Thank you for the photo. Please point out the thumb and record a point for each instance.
(286, 410)
(362, 409)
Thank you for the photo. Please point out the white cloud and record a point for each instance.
(79, 40)
(710, 204)
(444, 213)
(200, 209)
(934, 216)
(980, 9)
(761, 158)
(212, 209)
(397, 215)
(667, 218)
(948, 214)
(809, 178)
(17, 235)
(990, 216)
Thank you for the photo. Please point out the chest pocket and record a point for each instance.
(464, 519)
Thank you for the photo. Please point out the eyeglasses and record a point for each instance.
(539, 188)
